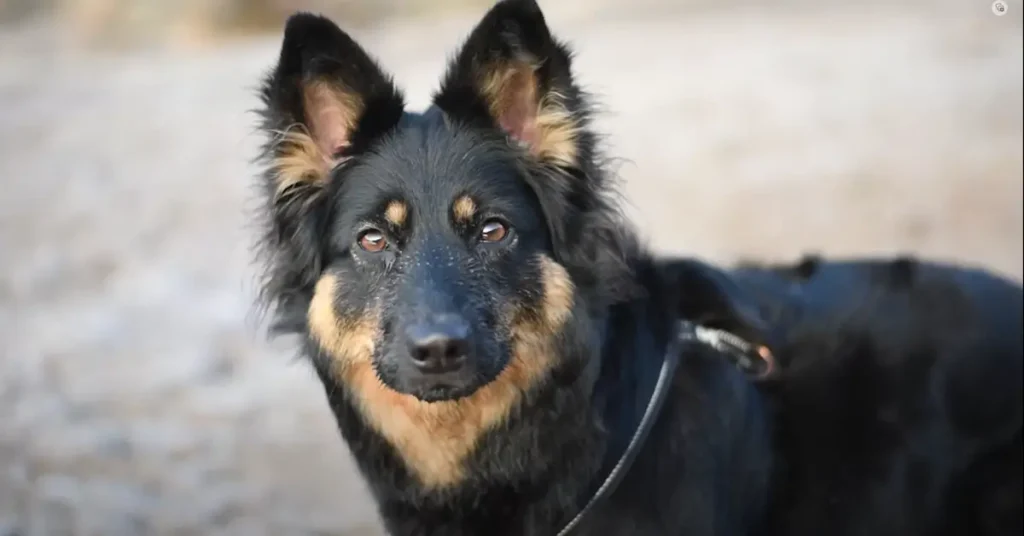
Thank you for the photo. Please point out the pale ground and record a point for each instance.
(137, 392)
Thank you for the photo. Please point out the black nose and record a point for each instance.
(439, 346)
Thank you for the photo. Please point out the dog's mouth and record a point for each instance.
(432, 387)
(443, 393)
(445, 386)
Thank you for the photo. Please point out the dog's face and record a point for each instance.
(440, 263)
(436, 252)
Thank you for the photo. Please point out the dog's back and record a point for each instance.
(899, 397)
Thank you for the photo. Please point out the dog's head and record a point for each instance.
(439, 262)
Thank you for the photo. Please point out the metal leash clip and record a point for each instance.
(754, 359)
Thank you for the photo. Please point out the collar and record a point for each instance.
(752, 359)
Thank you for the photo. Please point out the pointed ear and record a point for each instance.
(513, 75)
(324, 101)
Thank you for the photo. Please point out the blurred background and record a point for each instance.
(138, 392)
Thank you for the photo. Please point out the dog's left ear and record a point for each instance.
(511, 74)
(706, 295)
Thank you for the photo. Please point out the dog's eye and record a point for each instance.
(493, 231)
(372, 240)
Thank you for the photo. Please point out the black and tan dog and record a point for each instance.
(489, 333)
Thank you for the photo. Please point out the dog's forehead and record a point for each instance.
(427, 162)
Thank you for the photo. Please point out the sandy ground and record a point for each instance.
(138, 394)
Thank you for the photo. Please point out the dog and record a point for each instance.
(503, 356)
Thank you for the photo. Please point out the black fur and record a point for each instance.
(897, 409)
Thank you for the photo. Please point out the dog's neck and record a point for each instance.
(629, 370)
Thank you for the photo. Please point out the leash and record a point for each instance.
(741, 351)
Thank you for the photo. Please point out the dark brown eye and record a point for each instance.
(372, 241)
(493, 231)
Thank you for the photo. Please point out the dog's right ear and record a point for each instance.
(324, 101)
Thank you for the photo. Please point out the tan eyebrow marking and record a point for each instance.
(396, 213)
(464, 209)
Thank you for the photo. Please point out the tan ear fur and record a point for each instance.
(540, 122)
(305, 156)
